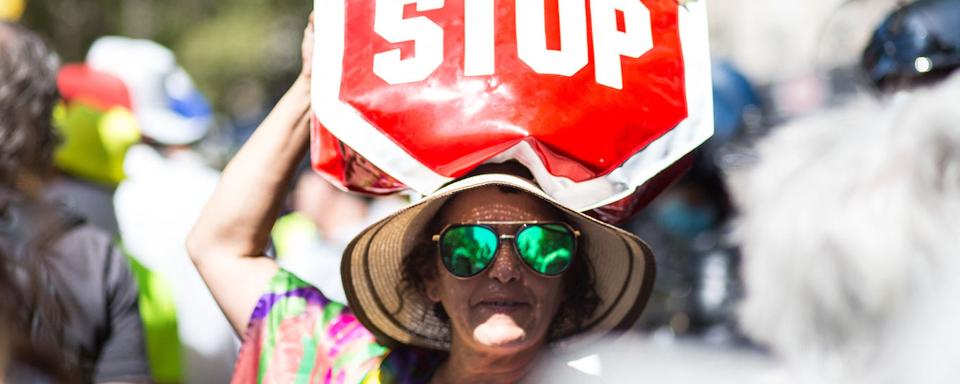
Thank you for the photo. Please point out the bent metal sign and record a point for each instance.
(596, 97)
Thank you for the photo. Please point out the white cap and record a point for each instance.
(168, 106)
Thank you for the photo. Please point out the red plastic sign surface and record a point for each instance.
(427, 90)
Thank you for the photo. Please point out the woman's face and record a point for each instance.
(506, 307)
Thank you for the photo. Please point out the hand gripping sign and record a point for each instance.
(595, 97)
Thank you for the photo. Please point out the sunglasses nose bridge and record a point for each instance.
(508, 244)
(506, 263)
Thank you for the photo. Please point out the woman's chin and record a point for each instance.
(499, 331)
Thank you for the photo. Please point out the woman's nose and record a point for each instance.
(506, 265)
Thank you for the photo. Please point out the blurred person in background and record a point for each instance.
(698, 284)
(916, 44)
(850, 230)
(165, 187)
(96, 127)
(311, 238)
(88, 309)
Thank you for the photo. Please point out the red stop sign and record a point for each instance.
(429, 89)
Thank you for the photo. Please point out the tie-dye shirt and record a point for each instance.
(297, 335)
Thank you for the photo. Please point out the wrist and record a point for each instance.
(303, 77)
(301, 88)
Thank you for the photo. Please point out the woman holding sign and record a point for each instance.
(472, 284)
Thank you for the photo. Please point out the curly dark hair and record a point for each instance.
(580, 296)
(28, 93)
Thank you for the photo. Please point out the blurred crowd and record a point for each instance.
(813, 238)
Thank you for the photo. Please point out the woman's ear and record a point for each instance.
(433, 289)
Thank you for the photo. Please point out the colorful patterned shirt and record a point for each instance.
(297, 335)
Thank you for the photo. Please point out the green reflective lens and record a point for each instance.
(547, 248)
(467, 250)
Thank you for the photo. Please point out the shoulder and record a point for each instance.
(287, 295)
(86, 238)
(92, 269)
(295, 332)
(290, 304)
(87, 250)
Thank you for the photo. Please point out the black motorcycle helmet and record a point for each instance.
(918, 43)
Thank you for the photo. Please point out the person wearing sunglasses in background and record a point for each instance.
(472, 284)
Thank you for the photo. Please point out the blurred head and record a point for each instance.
(917, 44)
(170, 110)
(95, 124)
(28, 93)
(331, 210)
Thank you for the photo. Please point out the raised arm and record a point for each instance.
(227, 242)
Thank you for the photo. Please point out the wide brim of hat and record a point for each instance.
(623, 269)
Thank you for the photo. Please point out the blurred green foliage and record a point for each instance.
(223, 44)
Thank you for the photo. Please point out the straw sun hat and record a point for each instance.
(372, 266)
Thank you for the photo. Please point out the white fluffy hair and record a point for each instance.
(847, 221)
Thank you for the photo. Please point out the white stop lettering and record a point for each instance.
(426, 35)
(609, 43)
